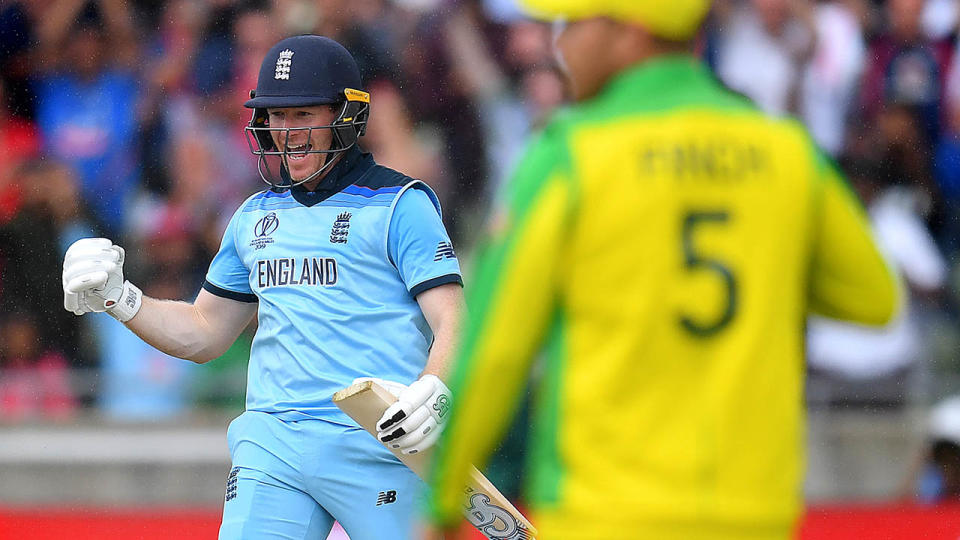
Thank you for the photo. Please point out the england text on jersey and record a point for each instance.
(317, 271)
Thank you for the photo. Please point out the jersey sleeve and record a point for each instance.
(850, 279)
(418, 244)
(227, 276)
(511, 302)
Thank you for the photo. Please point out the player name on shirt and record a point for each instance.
(315, 271)
(715, 159)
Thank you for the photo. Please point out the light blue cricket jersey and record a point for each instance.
(336, 273)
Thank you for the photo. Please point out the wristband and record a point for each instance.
(127, 306)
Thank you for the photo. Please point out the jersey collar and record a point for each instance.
(354, 163)
(655, 75)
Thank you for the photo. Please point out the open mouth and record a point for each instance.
(296, 153)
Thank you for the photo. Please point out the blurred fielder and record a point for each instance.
(662, 242)
(350, 273)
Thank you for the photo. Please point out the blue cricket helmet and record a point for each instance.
(303, 71)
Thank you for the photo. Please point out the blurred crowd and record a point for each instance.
(124, 119)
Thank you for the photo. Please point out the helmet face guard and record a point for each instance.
(350, 124)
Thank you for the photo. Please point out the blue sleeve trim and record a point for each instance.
(232, 295)
(436, 282)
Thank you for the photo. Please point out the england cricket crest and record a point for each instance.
(232, 484)
(341, 228)
(283, 64)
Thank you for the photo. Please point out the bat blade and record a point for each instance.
(484, 506)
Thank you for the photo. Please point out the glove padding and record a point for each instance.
(415, 421)
(93, 280)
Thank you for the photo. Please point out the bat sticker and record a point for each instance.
(494, 522)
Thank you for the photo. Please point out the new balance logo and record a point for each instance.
(232, 484)
(386, 497)
(444, 251)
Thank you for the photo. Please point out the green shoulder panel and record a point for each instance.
(544, 463)
(545, 156)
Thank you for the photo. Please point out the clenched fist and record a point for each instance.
(93, 280)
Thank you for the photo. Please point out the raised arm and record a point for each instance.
(121, 31)
(199, 331)
(57, 19)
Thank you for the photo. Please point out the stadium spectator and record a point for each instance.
(442, 104)
(776, 34)
(883, 366)
(906, 69)
(168, 59)
(47, 219)
(34, 379)
(18, 23)
(831, 77)
(939, 479)
(87, 96)
(19, 142)
(392, 137)
(253, 33)
(946, 161)
(55, 193)
(198, 134)
(514, 90)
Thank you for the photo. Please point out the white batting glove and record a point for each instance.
(93, 280)
(415, 421)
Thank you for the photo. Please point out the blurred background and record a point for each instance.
(125, 119)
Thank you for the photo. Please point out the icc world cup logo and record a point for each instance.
(266, 225)
(263, 229)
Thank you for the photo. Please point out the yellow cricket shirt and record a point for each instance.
(662, 243)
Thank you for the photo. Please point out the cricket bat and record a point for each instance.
(484, 506)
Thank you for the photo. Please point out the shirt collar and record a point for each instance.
(654, 75)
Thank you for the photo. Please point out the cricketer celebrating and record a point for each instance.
(350, 273)
(662, 242)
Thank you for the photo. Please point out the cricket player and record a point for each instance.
(662, 242)
(350, 273)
